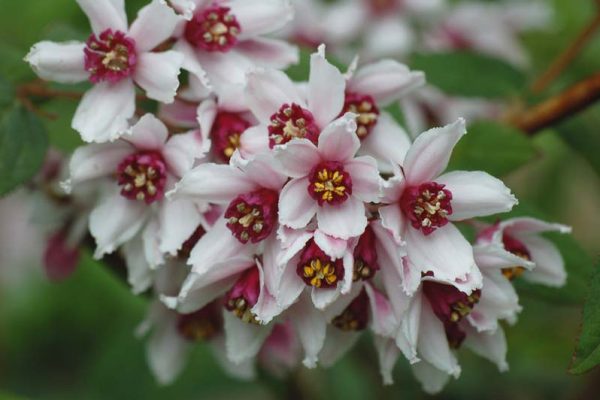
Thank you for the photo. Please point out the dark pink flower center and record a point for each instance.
(383, 7)
(450, 305)
(213, 29)
(317, 269)
(291, 122)
(355, 317)
(243, 295)
(200, 325)
(143, 176)
(110, 57)
(366, 109)
(226, 134)
(518, 248)
(456, 39)
(60, 257)
(365, 257)
(253, 216)
(427, 206)
(329, 183)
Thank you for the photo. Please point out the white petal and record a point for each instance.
(149, 133)
(388, 142)
(182, 150)
(476, 194)
(105, 14)
(139, 273)
(115, 221)
(97, 160)
(445, 252)
(490, 345)
(528, 225)
(366, 182)
(407, 339)
(333, 247)
(386, 81)
(259, 18)
(154, 257)
(267, 90)
(298, 157)
(326, 87)
(158, 74)
(254, 140)
(311, 327)
(394, 221)
(432, 379)
(58, 62)
(243, 340)
(213, 183)
(272, 53)
(264, 172)
(344, 220)
(549, 264)
(266, 307)
(431, 151)
(322, 298)
(338, 141)
(290, 286)
(387, 354)
(337, 344)
(104, 111)
(178, 221)
(296, 207)
(383, 322)
(155, 23)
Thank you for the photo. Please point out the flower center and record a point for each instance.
(143, 176)
(243, 295)
(318, 270)
(354, 317)
(366, 109)
(365, 257)
(330, 183)
(110, 57)
(381, 7)
(450, 305)
(253, 216)
(456, 39)
(226, 134)
(427, 206)
(291, 122)
(213, 29)
(519, 249)
(200, 325)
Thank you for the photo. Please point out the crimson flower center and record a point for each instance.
(317, 269)
(427, 206)
(381, 7)
(365, 257)
(244, 295)
(226, 134)
(143, 176)
(111, 56)
(213, 29)
(292, 122)
(366, 109)
(200, 325)
(253, 216)
(329, 183)
(354, 317)
(518, 248)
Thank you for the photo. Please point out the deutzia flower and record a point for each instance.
(113, 59)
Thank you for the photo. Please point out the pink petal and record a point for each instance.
(344, 220)
(266, 307)
(476, 194)
(383, 321)
(180, 114)
(149, 133)
(105, 14)
(178, 221)
(267, 91)
(243, 340)
(263, 171)
(528, 225)
(326, 87)
(366, 182)
(394, 221)
(333, 247)
(182, 150)
(386, 81)
(254, 140)
(338, 141)
(97, 160)
(290, 286)
(259, 18)
(60, 257)
(271, 53)
(429, 155)
(489, 345)
(58, 62)
(310, 327)
(298, 157)
(205, 116)
(387, 354)
(549, 265)
(200, 85)
(104, 111)
(158, 74)
(388, 143)
(155, 23)
(296, 207)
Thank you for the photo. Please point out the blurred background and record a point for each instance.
(75, 339)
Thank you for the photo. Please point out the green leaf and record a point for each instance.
(587, 353)
(470, 74)
(492, 147)
(23, 144)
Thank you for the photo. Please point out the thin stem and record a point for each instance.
(573, 100)
(567, 56)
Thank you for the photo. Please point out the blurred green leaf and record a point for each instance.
(492, 147)
(582, 136)
(469, 74)
(587, 354)
(23, 144)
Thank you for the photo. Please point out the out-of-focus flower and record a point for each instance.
(114, 58)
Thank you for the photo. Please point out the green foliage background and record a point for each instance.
(75, 340)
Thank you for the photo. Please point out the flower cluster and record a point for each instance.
(279, 220)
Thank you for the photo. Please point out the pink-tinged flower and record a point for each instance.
(422, 204)
(114, 58)
(370, 89)
(285, 111)
(522, 237)
(185, 8)
(142, 166)
(328, 181)
(223, 40)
